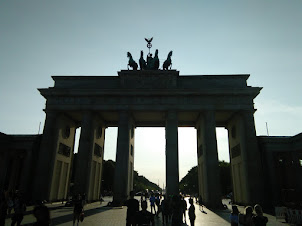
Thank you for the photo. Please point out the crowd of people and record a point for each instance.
(248, 218)
(173, 210)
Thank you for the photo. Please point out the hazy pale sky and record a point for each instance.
(63, 37)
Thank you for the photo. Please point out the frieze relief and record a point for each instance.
(148, 100)
(149, 82)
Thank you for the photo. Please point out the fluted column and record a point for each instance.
(84, 158)
(123, 177)
(208, 160)
(172, 168)
(46, 157)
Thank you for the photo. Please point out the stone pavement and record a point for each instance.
(96, 214)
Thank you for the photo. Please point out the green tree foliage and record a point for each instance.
(189, 184)
(140, 183)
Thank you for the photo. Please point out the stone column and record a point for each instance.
(251, 159)
(84, 157)
(123, 177)
(46, 157)
(172, 172)
(208, 160)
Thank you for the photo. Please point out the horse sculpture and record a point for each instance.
(142, 62)
(131, 62)
(168, 62)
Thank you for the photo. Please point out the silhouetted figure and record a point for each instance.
(259, 219)
(131, 62)
(246, 218)
(77, 209)
(234, 216)
(168, 62)
(42, 215)
(19, 208)
(152, 203)
(157, 202)
(200, 203)
(133, 208)
(177, 211)
(142, 62)
(192, 215)
(184, 207)
(156, 61)
(10, 201)
(144, 217)
(165, 210)
(3, 209)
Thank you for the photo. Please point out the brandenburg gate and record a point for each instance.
(148, 98)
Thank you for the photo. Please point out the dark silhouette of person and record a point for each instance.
(165, 210)
(259, 219)
(234, 217)
(77, 209)
(184, 207)
(42, 215)
(177, 211)
(152, 203)
(246, 219)
(20, 208)
(3, 209)
(133, 208)
(192, 215)
(144, 217)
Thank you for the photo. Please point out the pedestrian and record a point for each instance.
(165, 210)
(77, 209)
(152, 203)
(19, 208)
(192, 215)
(144, 217)
(246, 218)
(259, 219)
(10, 202)
(234, 217)
(177, 211)
(184, 207)
(133, 208)
(42, 215)
(3, 209)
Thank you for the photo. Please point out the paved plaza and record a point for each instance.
(99, 214)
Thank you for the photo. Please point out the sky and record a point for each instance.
(39, 39)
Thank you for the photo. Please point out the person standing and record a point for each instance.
(152, 203)
(259, 219)
(78, 209)
(3, 209)
(133, 208)
(184, 207)
(144, 217)
(192, 215)
(20, 208)
(246, 219)
(234, 216)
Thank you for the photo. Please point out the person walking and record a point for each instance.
(192, 215)
(259, 219)
(42, 215)
(20, 208)
(78, 209)
(133, 208)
